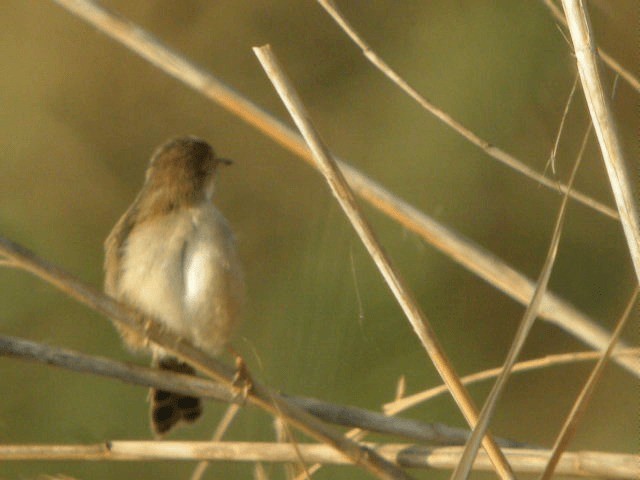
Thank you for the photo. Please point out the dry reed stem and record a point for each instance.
(604, 124)
(612, 63)
(343, 193)
(491, 150)
(223, 426)
(258, 395)
(581, 464)
(484, 264)
(557, 359)
(463, 469)
(259, 473)
(580, 406)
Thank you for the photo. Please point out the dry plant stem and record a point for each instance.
(471, 256)
(400, 290)
(338, 414)
(581, 464)
(259, 473)
(554, 150)
(491, 150)
(22, 349)
(492, 269)
(400, 392)
(409, 401)
(606, 58)
(285, 435)
(258, 395)
(604, 124)
(463, 469)
(433, 433)
(223, 426)
(281, 436)
(580, 406)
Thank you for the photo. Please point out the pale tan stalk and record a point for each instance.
(611, 62)
(343, 193)
(604, 124)
(463, 469)
(579, 407)
(581, 464)
(548, 361)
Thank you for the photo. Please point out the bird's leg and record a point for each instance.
(242, 381)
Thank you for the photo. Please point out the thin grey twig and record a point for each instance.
(579, 407)
(343, 193)
(432, 433)
(604, 124)
(343, 415)
(258, 395)
(491, 150)
(466, 463)
(579, 464)
(134, 374)
(460, 249)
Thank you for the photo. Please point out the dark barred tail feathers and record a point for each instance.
(169, 408)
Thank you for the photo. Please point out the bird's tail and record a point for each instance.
(170, 408)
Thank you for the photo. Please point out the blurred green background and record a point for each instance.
(80, 116)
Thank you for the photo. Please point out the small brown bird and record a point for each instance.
(172, 256)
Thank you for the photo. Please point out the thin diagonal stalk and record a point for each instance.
(460, 249)
(463, 469)
(343, 193)
(604, 124)
(556, 144)
(258, 395)
(404, 403)
(580, 406)
(223, 425)
(491, 150)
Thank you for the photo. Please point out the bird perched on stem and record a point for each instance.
(172, 257)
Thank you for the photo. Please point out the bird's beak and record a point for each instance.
(225, 161)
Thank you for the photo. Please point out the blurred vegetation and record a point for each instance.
(81, 115)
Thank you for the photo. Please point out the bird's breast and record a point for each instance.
(182, 268)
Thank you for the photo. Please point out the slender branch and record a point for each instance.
(604, 124)
(579, 407)
(134, 374)
(404, 403)
(343, 415)
(258, 395)
(432, 433)
(491, 150)
(487, 266)
(463, 469)
(582, 464)
(497, 273)
(221, 429)
(341, 190)
(556, 144)
(612, 63)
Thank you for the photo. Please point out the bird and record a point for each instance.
(172, 257)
